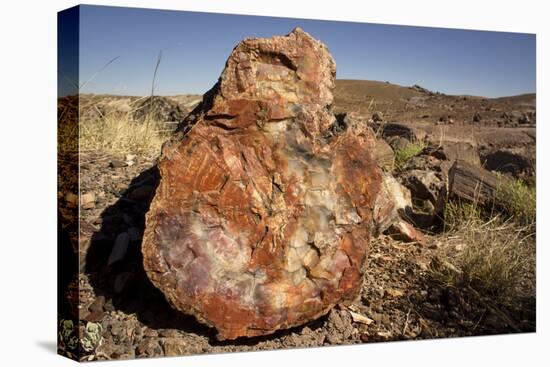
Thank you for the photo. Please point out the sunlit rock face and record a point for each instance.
(262, 217)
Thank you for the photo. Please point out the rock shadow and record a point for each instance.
(124, 283)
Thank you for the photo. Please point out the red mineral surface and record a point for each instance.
(263, 214)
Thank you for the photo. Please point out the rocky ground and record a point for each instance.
(122, 315)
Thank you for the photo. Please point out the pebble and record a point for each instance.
(115, 163)
(87, 201)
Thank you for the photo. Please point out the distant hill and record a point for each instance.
(415, 103)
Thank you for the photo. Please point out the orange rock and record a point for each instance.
(262, 217)
(405, 232)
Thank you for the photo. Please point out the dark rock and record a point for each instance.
(477, 117)
(396, 129)
(514, 162)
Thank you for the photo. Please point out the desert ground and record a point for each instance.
(470, 273)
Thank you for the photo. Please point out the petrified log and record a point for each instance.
(472, 183)
(262, 217)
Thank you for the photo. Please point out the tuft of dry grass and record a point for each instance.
(118, 133)
(518, 199)
(490, 256)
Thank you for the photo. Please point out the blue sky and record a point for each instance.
(196, 45)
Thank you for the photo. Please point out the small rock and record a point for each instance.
(130, 159)
(116, 163)
(394, 292)
(477, 117)
(384, 335)
(149, 347)
(403, 231)
(173, 347)
(356, 317)
(119, 249)
(87, 201)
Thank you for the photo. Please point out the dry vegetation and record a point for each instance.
(485, 253)
(406, 153)
(120, 134)
(117, 132)
(518, 199)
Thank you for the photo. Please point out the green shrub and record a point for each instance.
(518, 200)
(411, 150)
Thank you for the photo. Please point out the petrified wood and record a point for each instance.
(262, 217)
(472, 183)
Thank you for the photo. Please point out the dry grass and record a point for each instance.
(490, 256)
(118, 133)
(519, 201)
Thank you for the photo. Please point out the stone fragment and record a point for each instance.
(424, 184)
(473, 184)
(262, 217)
(453, 150)
(393, 201)
(117, 163)
(403, 231)
(87, 201)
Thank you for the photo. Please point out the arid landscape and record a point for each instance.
(474, 274)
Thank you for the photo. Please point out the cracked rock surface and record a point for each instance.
(262, 217)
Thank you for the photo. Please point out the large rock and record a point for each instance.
(262, 217)
(518, 162)
(453, 150)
